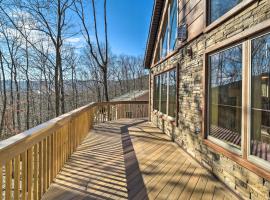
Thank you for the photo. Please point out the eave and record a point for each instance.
(153, 31)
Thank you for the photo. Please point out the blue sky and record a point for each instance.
(128, 25)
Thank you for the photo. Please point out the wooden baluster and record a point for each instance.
(40, 182)
(1, 180)
(8, 184)
(29, 173)
(44, 180)
(61, 151)
(54, 155)
(35, 189)
(74, 134)
(71, 136)
(57, 153)
(117, 111)
(49, 157)
(17, 164)
(90, 119)
(63, 146)
(24, 174)
(66, 142)
(102, 114)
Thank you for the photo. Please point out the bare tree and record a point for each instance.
(100, 53)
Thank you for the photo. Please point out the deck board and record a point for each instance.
(131, 159)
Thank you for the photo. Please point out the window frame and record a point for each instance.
(260, 168)
(229, 147)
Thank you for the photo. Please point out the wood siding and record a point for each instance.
(191, 12)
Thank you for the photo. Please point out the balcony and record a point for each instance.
(102, 151)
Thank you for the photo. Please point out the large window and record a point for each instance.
(225, 96)
(260, 99)
(169, 37)
(220, 7)
(229, 115)
(165, 93)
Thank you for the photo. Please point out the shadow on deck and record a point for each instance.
(130, 159)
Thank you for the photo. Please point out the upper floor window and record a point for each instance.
(169, 35)
(164, 49)
(173, 25)
(220, 7)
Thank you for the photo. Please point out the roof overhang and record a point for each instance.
(153, 32)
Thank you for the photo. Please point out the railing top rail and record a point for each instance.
(29, 137)
(21, 142)
(121, 102)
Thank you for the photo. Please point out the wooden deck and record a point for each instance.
(130, 159)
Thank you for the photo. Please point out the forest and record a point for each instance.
(55, 57)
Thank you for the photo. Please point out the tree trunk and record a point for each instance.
(4, 94)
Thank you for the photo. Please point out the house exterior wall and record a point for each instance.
(188, 132)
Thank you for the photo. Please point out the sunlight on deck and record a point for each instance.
(131, 159)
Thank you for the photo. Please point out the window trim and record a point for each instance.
(244, 160)
(229, 147)
(228, 15)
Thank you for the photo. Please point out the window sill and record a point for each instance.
(239, 160)
(234, 11)
(228, 147)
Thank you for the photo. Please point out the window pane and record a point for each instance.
(260, 102)
(156, 92)
(165, 44)
(225, 95)
(163, 93)
(172, 93)
(219, 8)
(173, 24)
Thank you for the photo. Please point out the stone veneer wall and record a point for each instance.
(188, 133)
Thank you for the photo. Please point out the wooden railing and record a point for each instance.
(30, 161)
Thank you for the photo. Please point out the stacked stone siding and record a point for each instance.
(188, 133)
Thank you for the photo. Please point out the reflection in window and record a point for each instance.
(163, 93)
(260, 101)
(172, 93)
(173, 25)
(219, 8)
(225, 95)
(168, 40)
(165, 44)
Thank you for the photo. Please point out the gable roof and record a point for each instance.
(153, 31)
